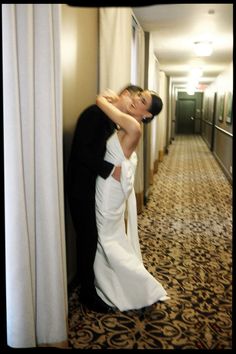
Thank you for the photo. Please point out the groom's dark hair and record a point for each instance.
(132, 89)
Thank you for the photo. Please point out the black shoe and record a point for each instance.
(95, 303)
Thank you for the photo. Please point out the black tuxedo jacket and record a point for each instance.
(88, 148)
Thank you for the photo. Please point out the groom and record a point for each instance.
(86, 162)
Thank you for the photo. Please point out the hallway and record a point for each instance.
(186, 240)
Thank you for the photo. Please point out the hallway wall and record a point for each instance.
(80, 83)
(217, 123)
(163, 117)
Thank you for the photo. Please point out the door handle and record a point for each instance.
(192, 118)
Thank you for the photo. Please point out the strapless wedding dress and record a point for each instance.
(121, 279)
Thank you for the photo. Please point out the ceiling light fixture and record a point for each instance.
(203, 49)
(196, 72)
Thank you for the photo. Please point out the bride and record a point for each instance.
(121, 279)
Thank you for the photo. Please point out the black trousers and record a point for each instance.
(84, 221)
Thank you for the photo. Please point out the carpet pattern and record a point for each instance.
(186, 241)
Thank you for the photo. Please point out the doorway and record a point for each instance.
(185, 117)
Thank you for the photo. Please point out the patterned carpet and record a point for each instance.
(186, 241)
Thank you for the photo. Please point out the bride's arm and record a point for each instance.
(129, 124)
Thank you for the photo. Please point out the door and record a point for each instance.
(185, 116)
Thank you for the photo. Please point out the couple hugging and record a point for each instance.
(100, 187)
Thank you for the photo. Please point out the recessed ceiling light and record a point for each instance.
(203, 48)
(196, 72)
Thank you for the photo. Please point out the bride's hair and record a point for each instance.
(155, 108)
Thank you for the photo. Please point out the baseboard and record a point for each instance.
(161, 155)
(155, 166)
(139, 201)
(151, 176)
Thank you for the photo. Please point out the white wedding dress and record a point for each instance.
(121, 279)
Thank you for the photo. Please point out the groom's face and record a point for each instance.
(127, 102)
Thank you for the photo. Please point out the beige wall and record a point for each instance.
(80, 81)
(163, 115)
(79, 60)
(223, 131)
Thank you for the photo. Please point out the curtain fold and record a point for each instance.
(156, 131)
(115, 35)
(36, 286)
(154, 84)
(140, 55)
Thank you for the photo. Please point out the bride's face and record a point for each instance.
(141, 102)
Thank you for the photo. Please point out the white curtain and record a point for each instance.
(156, 123)
(153, 84)
(36, 284)
(115, 35)
(138, 63)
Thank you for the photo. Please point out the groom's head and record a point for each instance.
(131, 89)
(126, 97)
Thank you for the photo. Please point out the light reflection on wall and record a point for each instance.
(69, 49)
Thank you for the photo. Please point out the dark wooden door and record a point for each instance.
(185, 116)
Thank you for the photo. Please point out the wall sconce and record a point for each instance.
(203, 48)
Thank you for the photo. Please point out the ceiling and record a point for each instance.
(175, 27)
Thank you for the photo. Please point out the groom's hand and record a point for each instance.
(110, 95)
(116, 173)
